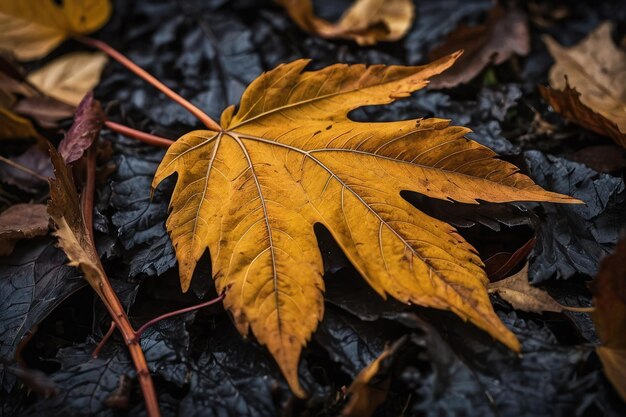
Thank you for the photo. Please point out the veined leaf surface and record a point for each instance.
(289, 157)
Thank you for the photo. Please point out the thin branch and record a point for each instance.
(23, 169)
(109, 50)
(105, 339)
(112, 302)
(138, 134)
(155, 320)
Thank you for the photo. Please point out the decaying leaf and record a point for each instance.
(88, 121)
(289, 158)
(21, 221)
(369, 388)
(504, 33)
(366, 21)
(596, 71)
(70, 77)
(71, 232)
(35, 160)
(13, 126)
(32, 28)
(47, 112)
(610, 316)
(517, 291)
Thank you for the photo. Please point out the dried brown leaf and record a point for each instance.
(504, 33)
(21, 221)
(71, 232)
(517, 291)
(588, 83)
(610, 316)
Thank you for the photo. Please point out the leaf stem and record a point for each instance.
(110, 299)
(103, 341)
(138, 134)
(113, 53)
(155, 320)
(578, 309)
(23, 169)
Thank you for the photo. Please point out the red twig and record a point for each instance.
(155, 320)
(105, 338)
(138, 134)
(110, 51)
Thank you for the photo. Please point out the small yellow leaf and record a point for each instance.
(13, 126)
(32, 28)
(70, 77)
(366, 21)
(290, 158)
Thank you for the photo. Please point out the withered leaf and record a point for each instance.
(518, 292)
(70, 77)
(504, 33)
(596, 71)
(32, 28)
(21, 221)
(610, 316)
(289, 158)
(366, 21)
(369, 388)
(88, 121)
(71, 232)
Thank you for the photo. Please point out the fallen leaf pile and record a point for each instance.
(588, 84)
(252, 193)
(358, 237)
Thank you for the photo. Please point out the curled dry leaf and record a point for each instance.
(70, 77)
(88, 121)
(71, 232)
(366, 21)
(517, 291)
(588, 83)
(610, 316)
(32, 28)
(504, 33)
(21, 221)
(289, 158)
(369, 388)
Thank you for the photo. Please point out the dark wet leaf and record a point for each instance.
(434, 20)
(138, 219)
(87, 384)
(350, 342)
(234, 377)
(574, 239)
(34, 159)
(34, 281)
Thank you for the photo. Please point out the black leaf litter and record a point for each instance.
(209, 51)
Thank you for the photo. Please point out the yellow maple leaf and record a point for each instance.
(32, 28)
(290, 158)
